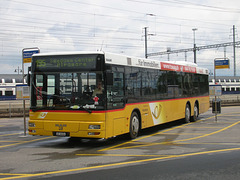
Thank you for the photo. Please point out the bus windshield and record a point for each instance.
(68, 91)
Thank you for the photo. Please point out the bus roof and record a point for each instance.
(180, 66)
(119, 59)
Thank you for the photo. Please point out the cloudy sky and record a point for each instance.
(118, 26)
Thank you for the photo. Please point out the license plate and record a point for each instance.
(61, 134)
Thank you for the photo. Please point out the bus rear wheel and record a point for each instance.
(195, 113)
(187, 113)
(134, 125)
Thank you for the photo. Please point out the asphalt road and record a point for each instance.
(205, 149)
(216, 166)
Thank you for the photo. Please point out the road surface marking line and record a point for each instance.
(230, 144)
(121, 163)
(121, 155)
(10, 134)
(205, 135)
(10, 174)
(202, 127)
(140, 138)
(167, 142)
(182, 133)
(9, 141)
(23, 142)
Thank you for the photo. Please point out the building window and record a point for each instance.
(8, 80)
(18, 80)
(8, 93)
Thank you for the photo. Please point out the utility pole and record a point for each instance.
(146, 36)
(146, 55)
(194, 46)
(234, 51)
(225, 52)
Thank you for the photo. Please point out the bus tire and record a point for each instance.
(187, 113)
(134, 125)
(195, 113)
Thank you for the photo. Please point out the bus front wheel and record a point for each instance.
(134, 125)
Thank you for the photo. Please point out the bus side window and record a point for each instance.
(115, 91)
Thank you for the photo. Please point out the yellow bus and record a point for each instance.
(102, 95)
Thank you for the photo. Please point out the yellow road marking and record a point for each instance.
(220, 143)
(205, 135)
(9, 174)
(23, 142)
(183, 133)
(120, 164)
(9, 134)
(230, 115)
(116, 147)
(144, 137)
(201, 127)
(174, 142)
(133, 162)
(121, 155)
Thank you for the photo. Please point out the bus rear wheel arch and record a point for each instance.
(135, 124)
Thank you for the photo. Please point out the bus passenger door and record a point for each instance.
(116, 103)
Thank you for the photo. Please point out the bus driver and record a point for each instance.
(99, 89)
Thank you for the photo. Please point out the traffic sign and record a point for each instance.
(215, 90)
(222, 64)
(27, 55)
(22, 92)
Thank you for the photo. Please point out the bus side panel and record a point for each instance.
(170, 110)
(203, 104)
(116, 123)
(166, 111)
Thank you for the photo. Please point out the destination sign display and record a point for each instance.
(53, 63)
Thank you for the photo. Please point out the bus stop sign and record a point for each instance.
(27, 55)
(222, 64)
(215, 90)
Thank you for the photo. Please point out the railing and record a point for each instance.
(14, 108)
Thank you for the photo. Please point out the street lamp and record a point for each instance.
(194, 45)
(18, 70)
(147, 34)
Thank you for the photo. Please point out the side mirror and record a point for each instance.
(125, 100)
(28, 76)
(109, 79)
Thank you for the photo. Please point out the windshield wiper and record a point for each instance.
(80, 107)
(88, 110)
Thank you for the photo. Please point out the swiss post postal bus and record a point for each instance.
(102, 95)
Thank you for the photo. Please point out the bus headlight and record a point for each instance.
(31, 125)
(94, 126)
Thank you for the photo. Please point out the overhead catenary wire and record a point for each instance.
(46, 32)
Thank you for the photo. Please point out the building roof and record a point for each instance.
(227, 78)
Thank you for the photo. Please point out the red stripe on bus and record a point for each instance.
(114, 110)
